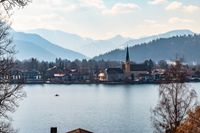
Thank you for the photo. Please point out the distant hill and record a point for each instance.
(74, 42)
(33, 45)
(160, 49)
(63, 39)
(101, 46)
(91, 48)
(169, 34)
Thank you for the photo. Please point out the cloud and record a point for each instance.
(73, 16)
(56, 2)
(178, 6)
(117, 8)
(69, 8)
(120, 8)
(55, 6)
(157, 2)
(191, 8)
(176, 20)
(152, 23)
(149, 21)
(149, 27)
(174, 6)
(99, 4)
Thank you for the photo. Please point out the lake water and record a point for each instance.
(97, 108)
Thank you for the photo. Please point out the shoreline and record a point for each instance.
(96, 83)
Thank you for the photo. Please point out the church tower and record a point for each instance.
(127, 63)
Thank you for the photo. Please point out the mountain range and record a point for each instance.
(91, 47)
(50, 44)
(86, 46)
(186, 47)
(34, 46)
(147, 39)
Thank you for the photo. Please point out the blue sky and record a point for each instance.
(100, 19)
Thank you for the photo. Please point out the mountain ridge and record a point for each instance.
(92, 48)
(87, 46)
(34, 45)
(167, 34)
(161, 49)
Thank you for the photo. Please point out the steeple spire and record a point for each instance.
(127, 55)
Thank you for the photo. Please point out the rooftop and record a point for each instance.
(139, 67)
(114, 71)
(79, 130)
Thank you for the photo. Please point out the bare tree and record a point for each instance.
(6, 128)
(9, 94)
(10, 4)
(175, 100)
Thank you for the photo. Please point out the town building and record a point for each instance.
(134, 71)
(32, 76)
(16, 75)
(102, 76)
(128, 72)
(114, 74)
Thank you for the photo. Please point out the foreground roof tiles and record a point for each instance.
(79, 130)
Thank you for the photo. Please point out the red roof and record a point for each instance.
(79, 130)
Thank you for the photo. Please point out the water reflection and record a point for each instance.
(98, 108)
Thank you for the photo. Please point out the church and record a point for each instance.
(129, 71)
(133, 71)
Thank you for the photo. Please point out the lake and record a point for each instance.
(97, 108)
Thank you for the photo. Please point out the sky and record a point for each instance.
(102, 19)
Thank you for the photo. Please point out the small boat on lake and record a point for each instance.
(56, 95)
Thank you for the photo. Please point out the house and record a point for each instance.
(145, 78)
(84, 77)
(158, 74)
(54, 72)
(114, 74)
(31, 76)
(60, 78)
(137, 70)
(15, 74)
(79, 130)
(102, 76)
(18, 76)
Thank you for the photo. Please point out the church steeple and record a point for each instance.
(127, 55)
(127, 65)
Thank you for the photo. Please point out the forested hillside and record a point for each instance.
(187, 47)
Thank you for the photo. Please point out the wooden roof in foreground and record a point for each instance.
(79, 130)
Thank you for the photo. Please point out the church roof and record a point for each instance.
(139, 67)
(114, 71)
